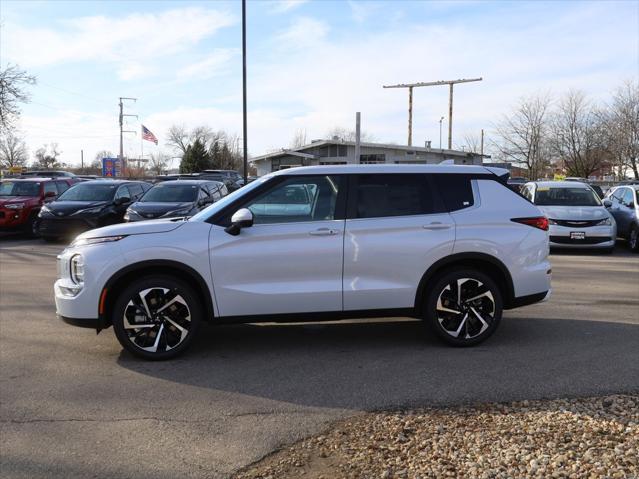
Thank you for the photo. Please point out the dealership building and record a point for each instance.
(341, 152)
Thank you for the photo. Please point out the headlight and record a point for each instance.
(95, 209)
(77, 269)
(88, 241)
(15, 206)
(552, 222)
(44, 209)
(605, 222)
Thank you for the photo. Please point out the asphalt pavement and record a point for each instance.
(73, 404)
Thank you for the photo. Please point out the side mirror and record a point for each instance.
(50, 194)
(607, 203)
(121, 200)
(242, 218)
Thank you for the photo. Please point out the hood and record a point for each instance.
(66, 208)
(139, 228)
(17, 199)
(154, 209)
(574, 212)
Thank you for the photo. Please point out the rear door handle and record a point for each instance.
(323, 232)
(437, 226)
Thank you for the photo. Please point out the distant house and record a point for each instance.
(340, 152)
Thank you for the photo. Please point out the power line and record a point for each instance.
(410, 87)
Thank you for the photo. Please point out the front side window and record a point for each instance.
(566, 196)
(379, 196)
(628, 198)
(123, 192)
(297, 199)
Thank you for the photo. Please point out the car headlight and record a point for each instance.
(88, 241)
(77, 269)
(605, 222)
(15, 206)
(95, 209)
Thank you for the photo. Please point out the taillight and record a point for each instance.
(540, 222)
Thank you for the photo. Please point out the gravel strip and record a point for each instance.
(576, 438)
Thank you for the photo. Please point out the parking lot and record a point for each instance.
(73, 404)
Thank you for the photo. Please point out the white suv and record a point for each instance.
(450, 244)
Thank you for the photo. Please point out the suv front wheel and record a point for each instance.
(156, 317)
(463, 307)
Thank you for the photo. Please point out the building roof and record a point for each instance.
(390, 146)
(382, 168)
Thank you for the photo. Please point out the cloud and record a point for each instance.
(362, 10)
(211, 65)
(131, 42)
(302, 33)
(283, 6)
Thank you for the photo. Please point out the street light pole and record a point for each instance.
(244, 128)
(440, 132)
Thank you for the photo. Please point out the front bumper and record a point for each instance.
(92, 323)
(594, 237)
(13, 219)
(65, 226)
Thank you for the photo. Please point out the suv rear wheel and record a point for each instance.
(156, 317)
(463, 307)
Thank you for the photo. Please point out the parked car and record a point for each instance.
(21, 200)
(374, 240)
(48, 174)
(88, 205)
(623, 204)
(172, 199)
(230, 178)
(576, 215)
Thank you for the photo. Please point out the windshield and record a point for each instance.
(171, 194)
(89, 192)
(20, 188)
(565, 196)
(206, 213)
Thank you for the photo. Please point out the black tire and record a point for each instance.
(166, 335)
(31, 226)
(633, 238)
(472, 321)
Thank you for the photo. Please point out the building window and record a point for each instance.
(410, 152)
(331, 163)
(372, 159)
(323, 151)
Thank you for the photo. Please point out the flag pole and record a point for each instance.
(141, 147)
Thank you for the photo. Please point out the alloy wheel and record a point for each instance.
(465, 308)
(157, 319)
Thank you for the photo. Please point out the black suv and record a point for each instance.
(88, 205)
(173, 199)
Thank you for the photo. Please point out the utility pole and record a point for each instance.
(410, 87)
(481, 149)
(440, 132)
(82, 160)
(122, 115)
(357, 137)
(244, 128)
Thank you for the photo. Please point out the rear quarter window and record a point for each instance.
(455, 190)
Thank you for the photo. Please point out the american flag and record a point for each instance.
(148, 136)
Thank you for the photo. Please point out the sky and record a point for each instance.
(311, 65)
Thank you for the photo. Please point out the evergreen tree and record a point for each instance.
(195, 159)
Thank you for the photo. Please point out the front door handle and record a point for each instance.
(437, 226)
(323, 232)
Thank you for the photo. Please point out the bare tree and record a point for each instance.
(472, 143)
(104, 154)
(158, 163)
(13, 151)
(178, 137)
(46, 157)
(299, 138)
(12, 92)
(521, 136)
(348, 135)
(621, 122)
(578, 135)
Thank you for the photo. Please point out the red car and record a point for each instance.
(21, 200)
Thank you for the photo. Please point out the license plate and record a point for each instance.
(577, 235)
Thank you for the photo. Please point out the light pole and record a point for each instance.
(244, 138)
(440, 132)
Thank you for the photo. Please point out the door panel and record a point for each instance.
(385, 258)
(278, 268)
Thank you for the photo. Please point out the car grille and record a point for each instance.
(591, 240)
(62, 227)
(577, 224)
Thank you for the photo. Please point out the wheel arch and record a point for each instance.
(119, 280)
(485, 263)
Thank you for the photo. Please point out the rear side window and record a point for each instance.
(379, 196)
(456, 191)
(49, 187)
(62, 186)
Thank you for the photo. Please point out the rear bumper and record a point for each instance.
(520, 301)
